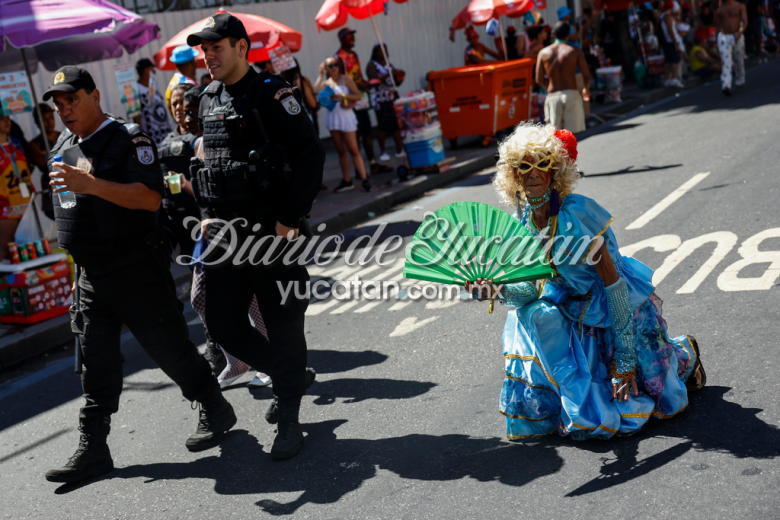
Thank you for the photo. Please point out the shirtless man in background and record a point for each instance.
(556, 70)
(731, 21)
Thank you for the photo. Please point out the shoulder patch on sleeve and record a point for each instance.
(145, 154)
(142, 139)
(291, 105)
(282, 91)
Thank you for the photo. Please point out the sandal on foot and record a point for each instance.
(693, 384)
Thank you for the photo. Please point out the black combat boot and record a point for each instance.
(92, 458)
(214, 356)
(272, 415)
(216, 418)
(289, 436)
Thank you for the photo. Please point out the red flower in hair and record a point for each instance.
(569, 143)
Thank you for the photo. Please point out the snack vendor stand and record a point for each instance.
(35, 290)
(482, 99)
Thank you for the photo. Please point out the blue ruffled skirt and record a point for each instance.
(557, 376)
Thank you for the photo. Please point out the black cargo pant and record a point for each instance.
(141, 295)
(283, 354)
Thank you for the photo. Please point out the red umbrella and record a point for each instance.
(334, 13)
(265, 35)
(479, 12)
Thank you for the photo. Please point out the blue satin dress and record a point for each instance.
(558, 348)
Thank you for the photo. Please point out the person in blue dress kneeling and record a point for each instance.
(587, 352)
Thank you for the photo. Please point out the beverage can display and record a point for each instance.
(23, 254)
(31, 250)
(46, 246)
(14, 252)
(39, 249)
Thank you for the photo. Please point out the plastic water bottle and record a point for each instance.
(67, 198)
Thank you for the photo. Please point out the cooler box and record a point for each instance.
(424, 148)
(610, 80)
(482, 99)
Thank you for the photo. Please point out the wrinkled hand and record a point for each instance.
(73, 179)
(620, 391)
(284, 231)
(480, 285)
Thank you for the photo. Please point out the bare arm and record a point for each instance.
(541, 79)
(743, 21)
(605, 268)
(492, 53)
(583, 65)
(131, 196)
(321, 79)
(308, 93)
(353, 88)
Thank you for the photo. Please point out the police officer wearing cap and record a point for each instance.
(271, 185)
(124, 271)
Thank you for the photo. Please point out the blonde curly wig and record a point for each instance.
(536, 141)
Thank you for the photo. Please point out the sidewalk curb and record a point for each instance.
(41, 337)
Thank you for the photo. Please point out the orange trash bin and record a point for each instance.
(482, 99)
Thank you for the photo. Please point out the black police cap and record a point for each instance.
(69, 79)
(219, 26)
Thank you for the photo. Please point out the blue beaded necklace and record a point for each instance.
(538, 202)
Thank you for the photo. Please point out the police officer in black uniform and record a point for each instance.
(175, 151)
(124, 271)
(272, 184)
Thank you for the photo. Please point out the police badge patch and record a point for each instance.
(145, 154)
(177, 147)
(291, 105)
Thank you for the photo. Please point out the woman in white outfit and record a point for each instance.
(341, 120)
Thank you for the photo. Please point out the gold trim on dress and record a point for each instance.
(535, 360)
(526, 418)
(664, 416)
(597, 235)
(636, 415)
(588, 428)
(538, 387)
(608, 429)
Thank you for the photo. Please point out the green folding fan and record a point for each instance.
(465, 241)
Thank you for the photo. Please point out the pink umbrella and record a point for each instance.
(335, 13)
(479, 12)
(264, 33)
(68, 32)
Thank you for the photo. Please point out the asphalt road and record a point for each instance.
(403, 422)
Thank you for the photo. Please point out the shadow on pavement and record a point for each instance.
(328, 468)
(630, 169)
(709, 424)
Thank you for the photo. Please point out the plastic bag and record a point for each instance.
(28, 230)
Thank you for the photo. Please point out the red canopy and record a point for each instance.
(335, 13)
(479, 12)
(265, 35)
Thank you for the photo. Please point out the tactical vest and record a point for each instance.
(96, 222)
(238, 166)
(175, 153)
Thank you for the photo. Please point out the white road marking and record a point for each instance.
(668, 201)
(344, 308)
(660, 244)
(397, 306)
(319, 308)
(367, 307)
(442, 304)
(725, 241)
(729, 280)
(411, 324)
